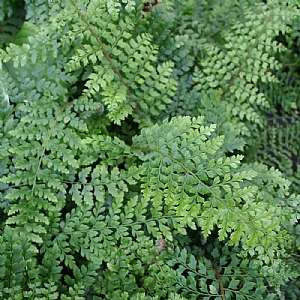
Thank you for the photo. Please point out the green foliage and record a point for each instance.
(11, 18)
(278, 146)
(149, 151)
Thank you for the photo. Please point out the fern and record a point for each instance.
(141, 155)
(282, 120)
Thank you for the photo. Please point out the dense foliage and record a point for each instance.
(149, 150)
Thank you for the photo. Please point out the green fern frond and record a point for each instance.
(187, 173)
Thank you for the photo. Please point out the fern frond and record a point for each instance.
(186, 173)
(242, 61)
